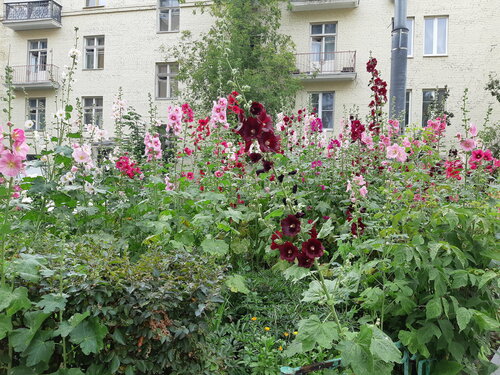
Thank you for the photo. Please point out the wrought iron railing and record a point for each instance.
(32, 10)
(35, 74)
(326, 62)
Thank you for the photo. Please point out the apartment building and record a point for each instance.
(451, 43)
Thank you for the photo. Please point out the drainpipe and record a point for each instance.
(399, 60)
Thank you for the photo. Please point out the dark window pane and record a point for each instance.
(316, 29)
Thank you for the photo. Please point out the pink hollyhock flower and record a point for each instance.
(21, 150)
(188, 151)
(18, 136)
(190, 176)
(473, 130)
(477, 155)
(487, 155)
(468, 144)
(219, 173)
(10, 164)
(458, 136)
(367, 139)
(386, 141)
(359, 180)
(363, 191)
(74, 169)
(323, 187)
(81, 156)
(396, 152)
(316, 163)
(406, 142)
(168, 185)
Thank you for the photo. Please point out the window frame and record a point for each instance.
(435, 36)
(40, 66)
(93, 110)
(409, 101)
(169, 76)
(37, 109)
(99, 3)
(319, 109)
(411, 36)
(323, 36)
(439, 94)
(96, 47)
(170, 9)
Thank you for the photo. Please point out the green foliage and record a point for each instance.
(240, 52)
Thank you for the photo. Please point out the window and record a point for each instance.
(323, 102)
(430, 97)
(407, 107)
(95, 3)
(410, 23)
(94, 52)
(168, 15)
(166, 81)
(436, 36)
(36, 113)
(323, 41)
(37, 54)
(92, 111)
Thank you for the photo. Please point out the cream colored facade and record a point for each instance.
(132, 49)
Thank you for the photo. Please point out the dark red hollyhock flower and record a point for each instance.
(371, 65)
(276, 236)
(256, 109)
(288, 251)
(269, 142)
(305, 261)
(268, 165)
(357, 229)
(313, 248)
(255, 157)
(290, 226)
(356, 130)
(250, 129)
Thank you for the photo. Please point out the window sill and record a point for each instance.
(168, 32)
(91, 69)
(443, 55)
(93, 7)
(166, 98)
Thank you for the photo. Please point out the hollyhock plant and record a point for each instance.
(396, 152)
(473, 130)
(304, 261)
(288, 251)
(290, 226)
(18, 136)
(468, 144)
(10, 164)
(313, 248)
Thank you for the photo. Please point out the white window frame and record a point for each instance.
(437, 92)
(42, 54)
(98, 3)
(319, 108)
(323, 37)
(435, 36)
(39, 109)
(408, 94)
(411, 32)
(93, 110)
(169, 77)
(170, 10)
(96, 48)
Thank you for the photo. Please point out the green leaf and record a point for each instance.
(68, 371)
(293, 349)
(316, 293)
(14, 301)
(485, 322)
(447, 368)
(236, 283)
(296, 273)
(357, 357)
(460, 279)
(215, 247)
(5, 325)
(447, 329)
(457, 350)
(118, 337)
(425, 333)
(275, 213)
(114, 365)
(22, 370)
(39, 351)
(490, 275)
(463, 317)
(89, 335)
(66, 327)
(326, 229)
(313, 331)
(52, 302)
(383, 347)
(433, 308)
(434, 248)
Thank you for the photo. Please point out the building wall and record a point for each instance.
(133, 47)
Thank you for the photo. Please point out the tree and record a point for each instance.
(242, 51)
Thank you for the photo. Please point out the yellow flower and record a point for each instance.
(254, 318)
(295, 333)
(280, 348)
(267, 329)
(286, 334)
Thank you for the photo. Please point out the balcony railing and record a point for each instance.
(307, 5)
(43, 76)
(327, 65)
(32, 15)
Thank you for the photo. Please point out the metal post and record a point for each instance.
(399, 60)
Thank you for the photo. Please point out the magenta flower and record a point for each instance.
(18, 136)
(477, 155)
(219, 173)
(468, 144)
(10, 164)
(290, 226)
(288, 251)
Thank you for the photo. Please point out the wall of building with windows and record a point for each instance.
(120, 41)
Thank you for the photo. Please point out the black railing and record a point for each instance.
(32, 10)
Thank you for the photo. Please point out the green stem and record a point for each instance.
(329, 299)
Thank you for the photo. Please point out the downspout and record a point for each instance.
(399, 60)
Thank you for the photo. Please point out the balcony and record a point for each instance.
(40, 77)
(308, 5)
(32, 15)
(327, 66)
